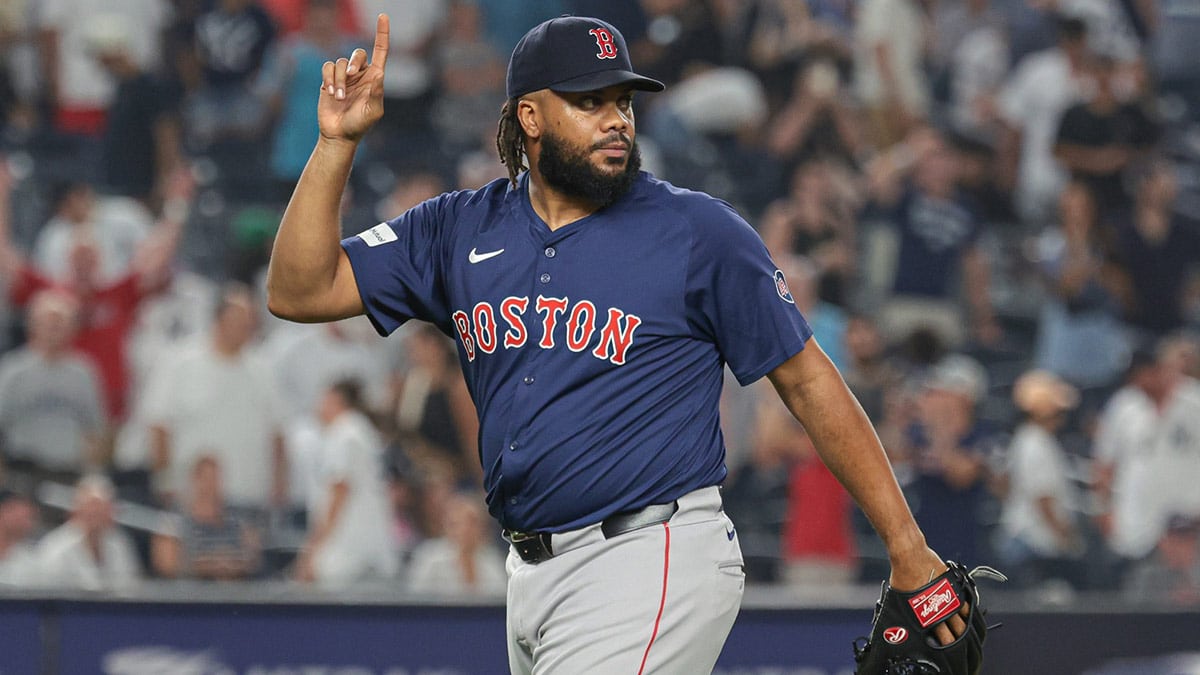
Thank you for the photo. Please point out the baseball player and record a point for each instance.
(594, 308)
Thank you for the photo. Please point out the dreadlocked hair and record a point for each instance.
(510, 140)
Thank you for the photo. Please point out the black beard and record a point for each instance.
(569, 171)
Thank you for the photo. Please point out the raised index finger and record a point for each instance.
(382, 28)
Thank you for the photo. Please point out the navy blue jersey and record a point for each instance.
(594, 353)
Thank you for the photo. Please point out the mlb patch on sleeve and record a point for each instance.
(380, 234)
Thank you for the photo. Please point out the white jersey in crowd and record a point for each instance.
(898, 25)
(221, 406)
(83, 82)
(436, 569)
(1037, 468)
(117, 227)
(309, 358)
(360, 544)
(19, 566)
(1038, 92)
(1157, 460)
(1123, 440)
(1175, 458)
(65, 562)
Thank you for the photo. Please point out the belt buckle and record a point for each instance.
(533, 547)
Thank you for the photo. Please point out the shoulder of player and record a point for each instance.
(448, 206)
(700, 211)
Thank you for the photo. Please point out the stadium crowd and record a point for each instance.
(987, 210)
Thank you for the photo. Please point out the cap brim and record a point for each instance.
(607, 78)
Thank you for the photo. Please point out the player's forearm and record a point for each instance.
(304, 260)
(848, 445)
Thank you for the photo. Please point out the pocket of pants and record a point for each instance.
(733, 568)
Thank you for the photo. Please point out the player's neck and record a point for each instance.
(555, 208)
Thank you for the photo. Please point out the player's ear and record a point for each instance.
(529, 115)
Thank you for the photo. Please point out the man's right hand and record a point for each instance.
(351, 100)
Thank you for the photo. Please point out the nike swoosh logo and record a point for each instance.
(731, 532)
(480, 257)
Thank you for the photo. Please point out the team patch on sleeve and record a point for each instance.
(781, 287)
(380, 234)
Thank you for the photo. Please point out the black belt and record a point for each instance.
(534, 547)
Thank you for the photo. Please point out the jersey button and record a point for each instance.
(528, 379)
(545, 278)
(512, 500)
(513, 445)
(550, 252)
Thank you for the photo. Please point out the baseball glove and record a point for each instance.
(902, 638)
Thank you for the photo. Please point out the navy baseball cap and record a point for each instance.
(573, 53)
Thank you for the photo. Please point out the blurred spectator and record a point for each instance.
(141, 147)
(507, 21)
(1158, 247)
(402, 497)
(18, 522)
(816, 220)
(79, 216)
(1109, 26)
(678, 36)
(1171, 575)
(410, 82)
(435, 485)
(316, 356)
(975, 73)
(1098, 139)
(1174, 29)
(779, 37)
(1148, 455)
(1042, 86)
(349, 524)
(937, 234)
(51, 413)
(89, 551)
(214, 398)
(1079, 335)
(818, 538)
(231, 41)
(464, 560)
(756, 493)
(1125, 430)
(817, 119)
(889, 50)
(18, 81)
(292, 15)
(108, 307)
(955, 23)
(867, 370)
(434, 412)
(827, 320)
(471, 77)
(205, 541)
(949, 452)
(1040, 536)
(77, 90)
(291, 74)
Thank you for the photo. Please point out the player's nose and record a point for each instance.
(616, 119)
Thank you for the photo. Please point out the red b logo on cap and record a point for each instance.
(604, 40)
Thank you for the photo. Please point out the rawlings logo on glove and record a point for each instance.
(900, 616)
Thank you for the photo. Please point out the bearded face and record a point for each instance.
(570, 170)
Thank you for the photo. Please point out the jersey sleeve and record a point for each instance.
(397, 266)
(738, 297)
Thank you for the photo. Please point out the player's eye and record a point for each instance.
(625, 103)
(589, 102)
